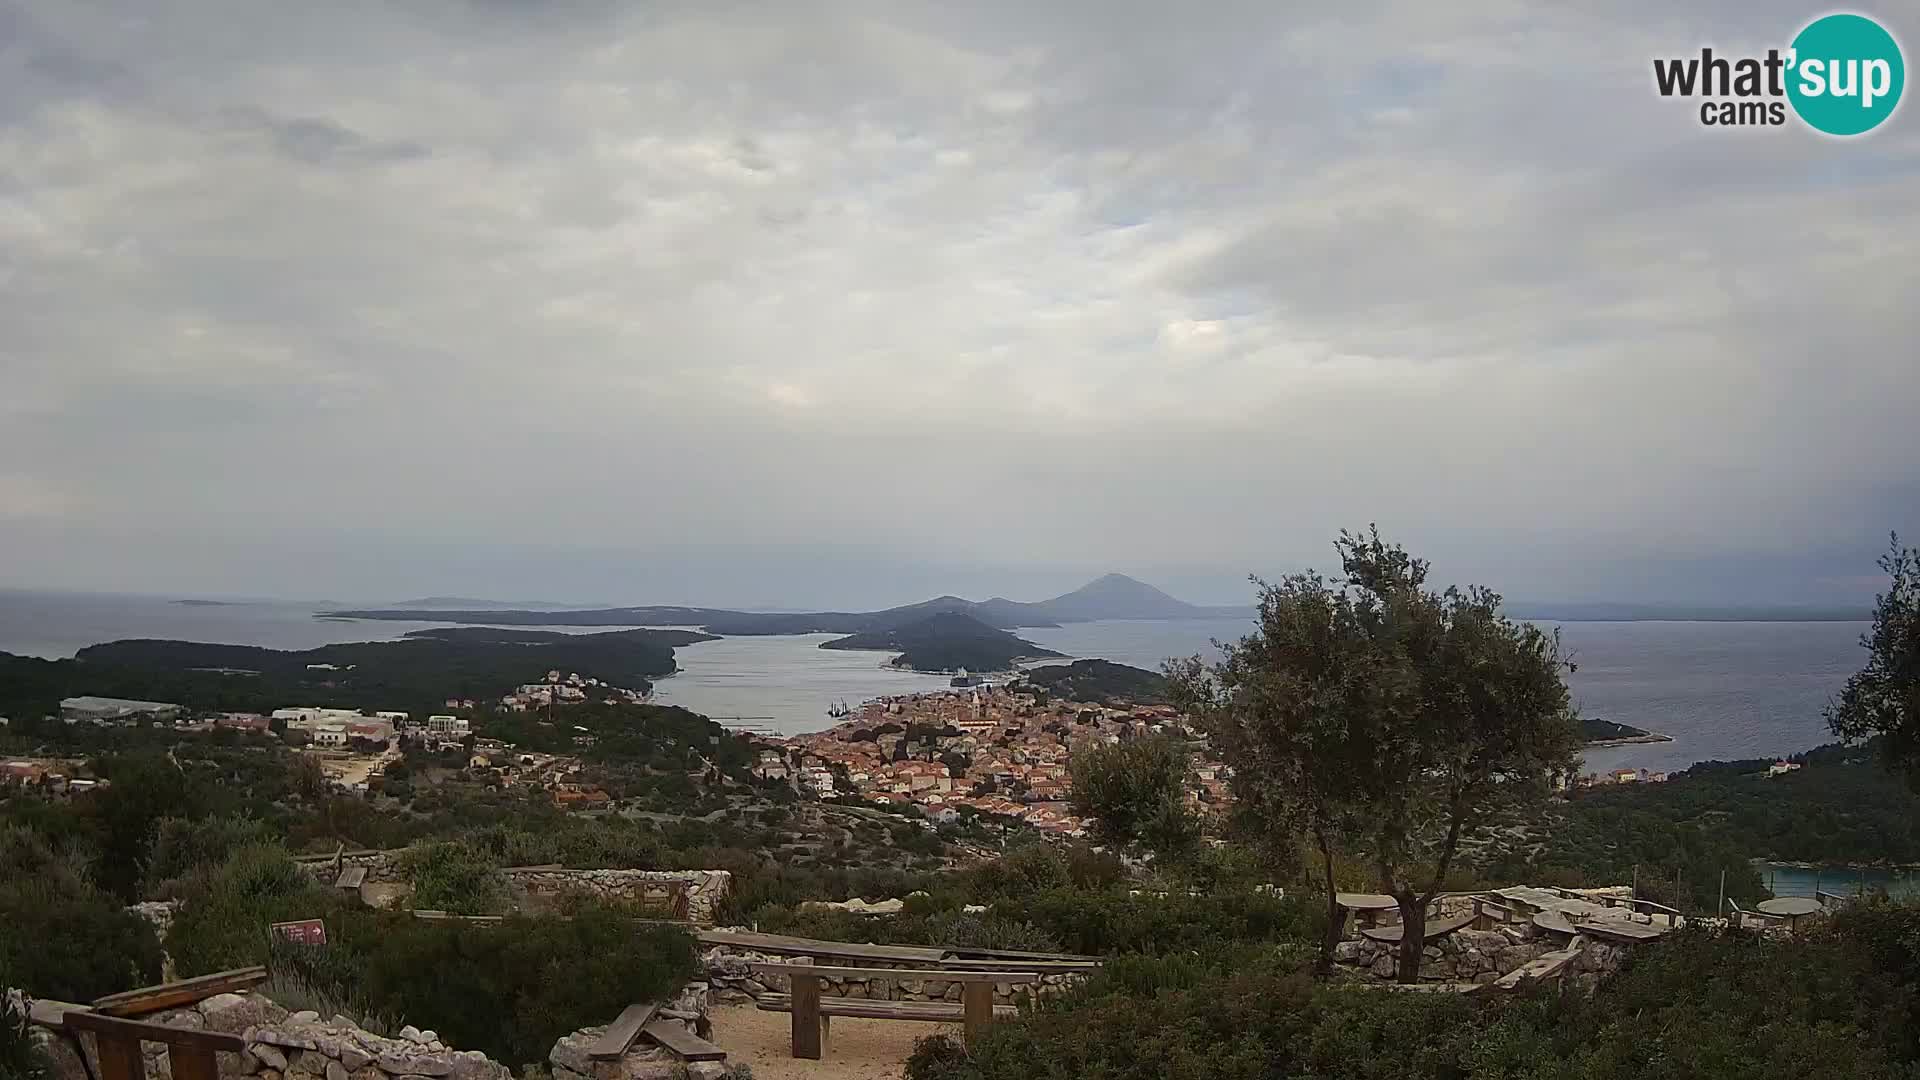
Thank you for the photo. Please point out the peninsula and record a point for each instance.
(1597, 733)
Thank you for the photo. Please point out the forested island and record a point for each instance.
(1113, 596)
(1100, 680)
(1597, 732)
(946, 642)
(415, 673)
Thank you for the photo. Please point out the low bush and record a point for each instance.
(455, 876)
(73, 945)
(509, 989)
(224, 922)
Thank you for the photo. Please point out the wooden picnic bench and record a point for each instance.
(812, 1013)
(1435, 928)
(637, 1021)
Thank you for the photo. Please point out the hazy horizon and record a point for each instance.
(854, 304)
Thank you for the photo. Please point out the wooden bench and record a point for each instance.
(637, 1021)
(811, 1012)
(1434, 928)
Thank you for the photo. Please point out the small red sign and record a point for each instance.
(304, 931)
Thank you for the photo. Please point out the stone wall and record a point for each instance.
(730, 975)
(704, 889)
(1468, 956)
(283, 1046)
(300, 1046)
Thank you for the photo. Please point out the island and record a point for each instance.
(946, 642)
(418, 673)
(1099, 680)
(1113, 596)
(1596, 732)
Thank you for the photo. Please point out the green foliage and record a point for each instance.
(1136, 793)
(1383, 719)
(181, 844)
(1099, 680)
(509, 990)
(1839, 1001)
(1883, 698)
(455, 876)
(71, 942)
(224, 922)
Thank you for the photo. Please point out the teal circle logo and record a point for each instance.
(1845, 74)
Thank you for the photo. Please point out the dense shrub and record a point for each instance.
(181, 844)
(1120, 920)
(455, 876)
(1836, 1002)
(224, 922)
(72, 942)
(509, 990)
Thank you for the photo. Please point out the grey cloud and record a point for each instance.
(895, 298)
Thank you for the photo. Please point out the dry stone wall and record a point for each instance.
(704, 889)
(287, 1046)
(732, 980)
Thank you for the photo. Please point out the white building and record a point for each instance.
(448, 725)
(332, 733)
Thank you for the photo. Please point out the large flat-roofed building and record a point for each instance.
(100, 710)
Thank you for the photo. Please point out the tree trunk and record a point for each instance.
(1413, 936)
(1336, 916)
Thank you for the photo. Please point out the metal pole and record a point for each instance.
(1636, 881)
(1721, 907)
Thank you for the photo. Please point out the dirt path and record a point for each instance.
(856, 1050)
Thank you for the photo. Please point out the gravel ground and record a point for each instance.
(856, 1049)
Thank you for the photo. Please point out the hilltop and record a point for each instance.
(1112, 596)
(1100, 680)
(946, 641)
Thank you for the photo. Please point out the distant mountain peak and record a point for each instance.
(1117, 596)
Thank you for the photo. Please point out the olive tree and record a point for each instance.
(1387, 720)
(1883, 698)
(1136, 793)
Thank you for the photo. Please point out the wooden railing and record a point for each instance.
(190, 1051)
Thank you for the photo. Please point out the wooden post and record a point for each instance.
(977, 997)
(806, 1015)
(1636, 881)
(119, 1057)
(192, 1062)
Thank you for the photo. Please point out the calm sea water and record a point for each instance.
(1722, 690)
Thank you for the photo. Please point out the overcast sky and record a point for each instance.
(846, 304)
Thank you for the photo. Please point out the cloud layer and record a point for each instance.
(840, 301)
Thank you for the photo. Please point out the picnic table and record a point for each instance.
(1790, 908)
(1365, 908)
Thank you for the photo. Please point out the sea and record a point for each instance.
(1721, 690)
